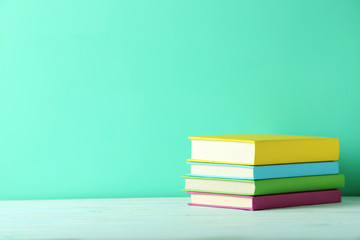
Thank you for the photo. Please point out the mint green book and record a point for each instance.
(263, 187)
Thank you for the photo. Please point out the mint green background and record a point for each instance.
(97, 98)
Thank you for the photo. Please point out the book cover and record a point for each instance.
(236, 171)
(263, 149)
(267, 201)
(263, 187)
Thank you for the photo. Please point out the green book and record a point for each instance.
(263, 187)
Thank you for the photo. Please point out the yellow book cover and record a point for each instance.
(263, 149)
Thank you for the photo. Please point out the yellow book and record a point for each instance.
(263, 149)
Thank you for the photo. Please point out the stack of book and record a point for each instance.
(254, 172)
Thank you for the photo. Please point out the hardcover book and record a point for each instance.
(263, 187)
(264, 202)
(237, 171)
(262, 149)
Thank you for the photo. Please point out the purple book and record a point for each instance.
(264, 202)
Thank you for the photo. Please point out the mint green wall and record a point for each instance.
(97, 98)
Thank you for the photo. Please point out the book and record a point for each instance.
(263, 149)
(237, 171)
(264, 202)
(263, 187)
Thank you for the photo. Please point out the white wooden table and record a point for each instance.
(171, 218)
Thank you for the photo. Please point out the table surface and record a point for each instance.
(171, 218)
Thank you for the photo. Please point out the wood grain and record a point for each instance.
(171, 218)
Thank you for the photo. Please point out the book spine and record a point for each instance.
(296, 199)
(296, 151)
(298, 184)
(296, 170)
